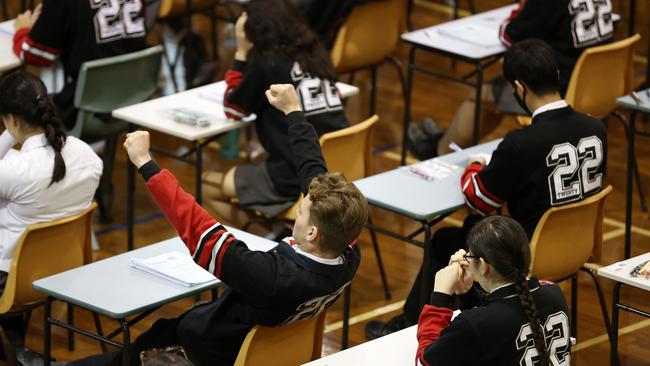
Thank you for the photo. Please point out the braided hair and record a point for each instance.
(24, 96)
(503, 243)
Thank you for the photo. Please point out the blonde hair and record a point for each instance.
(338, 209)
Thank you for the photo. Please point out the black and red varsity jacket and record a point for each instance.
(266, 288)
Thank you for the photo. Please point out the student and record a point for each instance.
(298, 279)
(560, 158)
(52, 175)
(520, 322)
(569, 27)
(74, 32)
(271, 52)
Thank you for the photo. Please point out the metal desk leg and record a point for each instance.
(425, 292)
(479, 100)
(407, 103)
(632, 18)
(47, 353)
(126, 350)
(346, 316)
(629, 190)
(614, 338)
(199, 171)
(130, 190)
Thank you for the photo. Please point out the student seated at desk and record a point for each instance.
(569, 27)
(52, 176)
(560, 158)
(77, 31)
(274, 46)
(521, 321)
(298, 279)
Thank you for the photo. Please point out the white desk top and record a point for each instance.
(401, 191)
(208, 99)
(620, 272)
(8, 60)
(435, 38)
(397, 348)
(113, 288)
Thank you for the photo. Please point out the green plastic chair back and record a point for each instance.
(110, 83)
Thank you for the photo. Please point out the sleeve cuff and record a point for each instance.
(149, 169)
(441, 300)
(239, 65)
(296, 117)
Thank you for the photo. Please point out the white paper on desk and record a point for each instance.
(174, 266)
(473, 33)
(7, 28)
(212, 94)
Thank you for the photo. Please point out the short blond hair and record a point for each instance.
(338, 209)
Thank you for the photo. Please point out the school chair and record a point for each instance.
(568, 239)
(104, 85)
(284, 345)
(44, 249)
(601, 75)
(367, 39)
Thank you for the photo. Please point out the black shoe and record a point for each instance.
(419, 144)
(377, 328)
(430, 127)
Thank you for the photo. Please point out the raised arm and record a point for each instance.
(302, 136)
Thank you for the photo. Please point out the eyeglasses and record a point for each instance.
(146, 355)
(469, 256)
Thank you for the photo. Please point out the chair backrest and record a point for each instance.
(567, 237)
(348, 151)
(292, 344)
(370, 33)
(602, 74)
(114, 82)
(45, 249)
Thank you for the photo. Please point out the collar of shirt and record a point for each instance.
(34, 142)
(508, 290)
(550, 106)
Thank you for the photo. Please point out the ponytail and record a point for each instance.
(503, 243)
(54, 135)
(24, 96)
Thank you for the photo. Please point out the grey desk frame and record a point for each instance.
(427, 202)
(112, 288)
(480, 57)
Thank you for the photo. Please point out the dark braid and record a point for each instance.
(24, 96)
(528, 303)
(503, 243)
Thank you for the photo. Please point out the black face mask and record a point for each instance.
(522, 101)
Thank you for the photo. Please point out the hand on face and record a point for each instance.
(284, 98)
(243, 44)
(28, 18)
(137, 146)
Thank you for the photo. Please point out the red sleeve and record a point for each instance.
(432, 321)
(233, 78)
(503, 35)
(31, 51)
(476, 195)
(206, 239)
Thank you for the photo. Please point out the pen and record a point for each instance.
(456, 148)
(647, 93)
(636, 97)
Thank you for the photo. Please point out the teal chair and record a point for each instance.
(105, 85)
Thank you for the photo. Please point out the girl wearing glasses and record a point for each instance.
(521, 321)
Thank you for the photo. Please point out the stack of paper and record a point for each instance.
(174, 266)
(474, 33)
(434, 169)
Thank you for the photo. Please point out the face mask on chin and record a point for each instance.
(522, 101)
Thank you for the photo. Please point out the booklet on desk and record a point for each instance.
(174, 266)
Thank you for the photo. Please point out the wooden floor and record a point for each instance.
(431, 97)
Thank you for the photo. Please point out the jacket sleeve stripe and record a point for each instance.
(222, 252)
(204, 237)
(215, 252)
(472, 198)
(479, 193)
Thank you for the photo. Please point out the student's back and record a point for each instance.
(77, 31)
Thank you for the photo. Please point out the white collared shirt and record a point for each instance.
(26, 196)
(550, 106)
